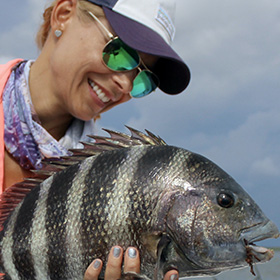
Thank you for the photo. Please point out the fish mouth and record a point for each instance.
(256, 253)
(259, 232)
(256, 233)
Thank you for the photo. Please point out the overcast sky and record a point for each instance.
(231, 110)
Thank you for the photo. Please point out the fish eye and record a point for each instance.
(225, 200)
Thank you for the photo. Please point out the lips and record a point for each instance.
(260, 232)
(100, 94)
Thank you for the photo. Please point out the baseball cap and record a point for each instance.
(147, 26)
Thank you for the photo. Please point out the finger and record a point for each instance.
(171, 275)
(93, 270)
(132, 260)
(113, 269)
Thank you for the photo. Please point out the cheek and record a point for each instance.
(182, 221)
(70, 71)
(76, 51)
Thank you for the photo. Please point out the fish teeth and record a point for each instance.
(101, 95)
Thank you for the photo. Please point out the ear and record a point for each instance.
(62, 13)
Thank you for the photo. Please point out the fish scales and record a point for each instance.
(146, 194)
(55, 222)
(181, 210)
(7, 245)
(62, 215)
(50, 220)
(18, 250)
(74, 210)
(39, 232)
(121, 203)
(22, 228)
(106, 210)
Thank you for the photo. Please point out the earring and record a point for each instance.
(57, 33)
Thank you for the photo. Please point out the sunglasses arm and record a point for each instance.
(111, 36)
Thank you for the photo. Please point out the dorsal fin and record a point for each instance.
(12, 196)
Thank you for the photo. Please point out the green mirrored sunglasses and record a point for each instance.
(119, 57)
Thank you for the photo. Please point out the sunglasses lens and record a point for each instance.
(120, 57)
(144, 83)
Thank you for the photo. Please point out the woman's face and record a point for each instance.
(82, 82)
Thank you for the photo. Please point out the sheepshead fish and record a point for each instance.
(180, 209)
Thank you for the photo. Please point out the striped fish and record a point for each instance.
(180, 209)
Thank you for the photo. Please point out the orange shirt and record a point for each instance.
(5, 71)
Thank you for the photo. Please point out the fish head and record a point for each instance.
(213, 223)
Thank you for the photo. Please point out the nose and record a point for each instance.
(124, 80)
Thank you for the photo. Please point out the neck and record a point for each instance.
(51, 114)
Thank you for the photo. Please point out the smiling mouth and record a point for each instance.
(100, 94)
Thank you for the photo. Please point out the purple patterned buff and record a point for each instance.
(25, 139)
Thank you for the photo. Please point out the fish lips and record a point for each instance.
(257, 233)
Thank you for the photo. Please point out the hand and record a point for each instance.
(113, 269)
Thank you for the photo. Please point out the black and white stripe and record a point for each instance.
(75, 254)
(118, 207)
(39, 233)
(101, 181)
(21, 236)
(56, 214)
(7, 247)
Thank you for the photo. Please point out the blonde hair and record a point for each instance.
(82, 7)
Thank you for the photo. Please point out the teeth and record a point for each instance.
(101, 95)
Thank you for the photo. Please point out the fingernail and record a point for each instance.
(96, 264)
(116, 252)
(174, 277)
(132, 253)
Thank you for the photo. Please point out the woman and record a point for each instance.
(94, 55)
